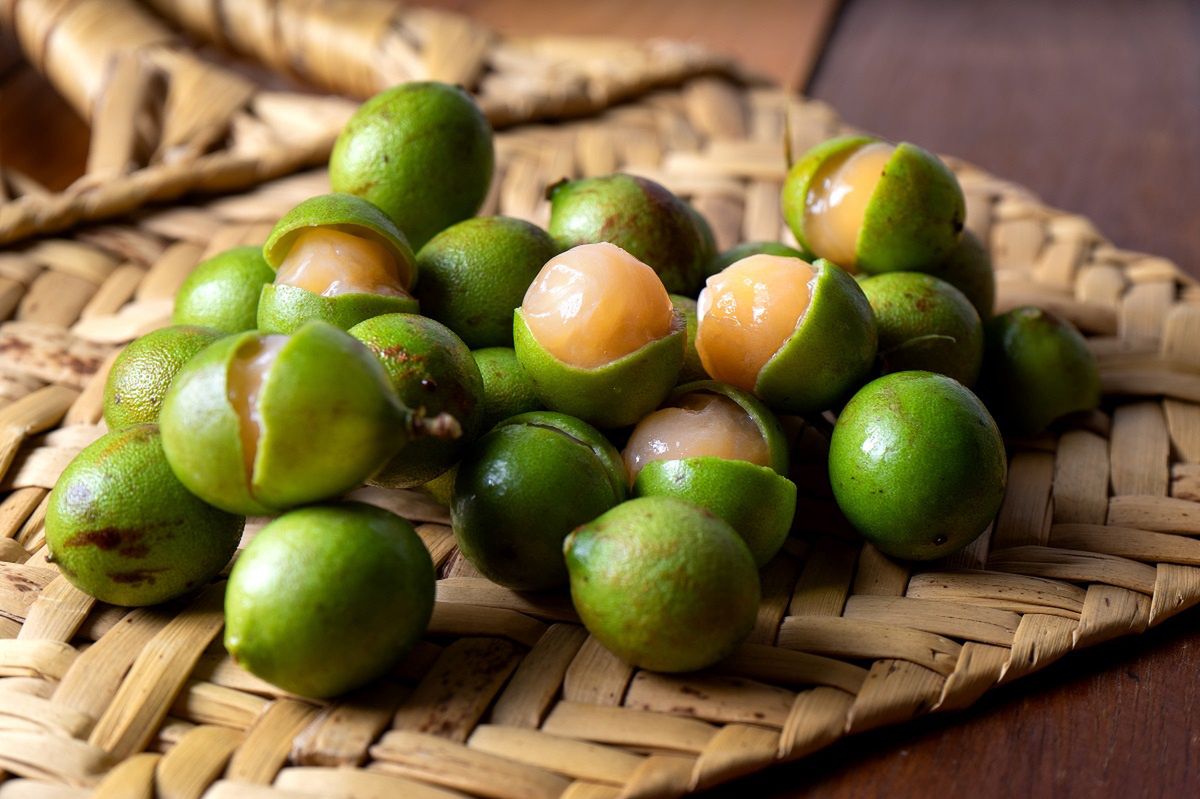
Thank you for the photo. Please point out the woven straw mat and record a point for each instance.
(507, 696)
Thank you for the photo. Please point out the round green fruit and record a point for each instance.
(142, 373)
(917, 465)
(507, 388)
(222, 292)
(663, 584)
(328, 598)
(692, 368)
(969, 269)
(123, 529)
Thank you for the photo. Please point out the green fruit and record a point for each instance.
(1037, 368)
(615, 394)
(523, 487)
(831, 352)
(639, 216)
(925, 324)
(432, 372)
(284, 309)
(692, 368)
(222, 292)
(474, 274)
(917, 465)
(507, 388)
(328, 598)
(421, 151)
(704, 233)
(328, 418)
(123, 529)
(142, 373)
(748, 248)
(914, 216)
(663, 584)
(969, 269)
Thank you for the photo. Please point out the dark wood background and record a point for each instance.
(1093, 105)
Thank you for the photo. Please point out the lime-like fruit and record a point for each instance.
(1037, 368)
(925, 324)
(142, 373)
(748, 248)
(523, 487)
(222, 292)
(692, 369)
(507, 388)
(873, 207)
(663, 584)
(123, 529)
(421, 151)
(800, 336)
(969, 269)
(917, 465)
(474, 274)
(328, 598)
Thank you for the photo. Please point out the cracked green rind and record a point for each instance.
(284, 309)
(692, 369)
(348, 214)
(831, 352)
(794, 195)
(617, 394)
(766, 421)
(223, 292)
(584, 433)
(756, 501)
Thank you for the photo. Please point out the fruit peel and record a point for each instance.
(794, 195)
(766, 422)
(223, 291)
(284, 308)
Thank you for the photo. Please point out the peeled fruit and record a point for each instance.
(432, 371)
(338, 259)
(639, 216)
(874, 207)
(663, 584)
(598, 336)
(507, 389)
(222, 292)
(523, 487)
(799, 336)
(917, 465)
(142, 373)
(748, 248)
(422, 151)
(122, 528)
(327, 598)
(1037, 368)
(251, 423)
(718, 447)
(925, 324)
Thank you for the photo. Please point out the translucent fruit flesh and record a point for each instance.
(596, 303)
(330, 262)
(247, 372)
(837, 202)
(747, 312)
(700, 425)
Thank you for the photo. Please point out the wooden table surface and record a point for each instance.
(1096, 107)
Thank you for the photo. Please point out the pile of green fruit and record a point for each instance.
(598, 403)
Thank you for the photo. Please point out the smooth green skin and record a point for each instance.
(142, 373)
(1037, 368)
(708, 240)
(767, 423)
(830, 354)
(476, 273)
(222, 292)
(692, 369)
(756, 501)
(969, 269)
(523, 488)
(324, 394)
(748, 248)
(925, 324)
(432, 371)
(639, 216)
(283, 309)
(123, 529)
(507, 388)
(327, 598)
(421, 151)
(917, 465)
(915, 215)
(616, 394)
(663, 584)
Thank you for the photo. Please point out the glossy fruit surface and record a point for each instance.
(142, 373)
(917, 465)
(327, 598)
(507, 388)
(663, 584)
(122, 528)
(422, 151)
(222, 292)
(748, 248)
